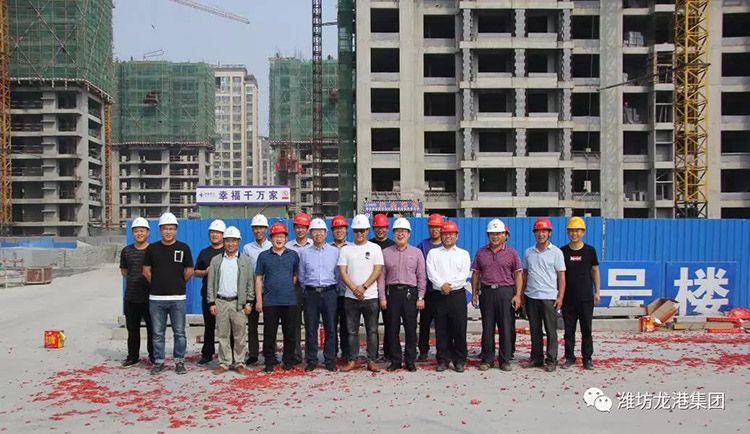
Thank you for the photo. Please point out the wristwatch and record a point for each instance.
(420, 298)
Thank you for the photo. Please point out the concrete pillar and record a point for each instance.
(520, 23)
(519, 62)
(520, 142)
(411, 100)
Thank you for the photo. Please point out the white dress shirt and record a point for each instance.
(448, 265)
(228, 277)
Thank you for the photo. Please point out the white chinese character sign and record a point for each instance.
(243, 195)
(701, 288)
(629, 283)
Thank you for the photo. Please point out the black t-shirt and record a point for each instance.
(385, 243)
(204, 260)
(136, 286)
(168, 264)
(579, 284)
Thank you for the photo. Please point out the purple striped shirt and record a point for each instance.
(402, 267)
(497, 268)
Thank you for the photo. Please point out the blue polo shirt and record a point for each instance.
(425, 246)
(542, 267)
(278, 277)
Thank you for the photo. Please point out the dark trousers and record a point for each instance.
(340, 324)
(271, 317)
(426, 316)
(252, 333)
(450, 327)
(542, 312)
(209, 332)
(319, 304)
(134, 313)
(574, 312)
(497, 314)
(402, 306)
(368, 309)
(298, 324)
(386, 333)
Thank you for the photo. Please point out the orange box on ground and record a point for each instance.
(54, 339)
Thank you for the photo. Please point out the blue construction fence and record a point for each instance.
(701, 263)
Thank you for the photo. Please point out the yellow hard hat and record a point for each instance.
(576, 223)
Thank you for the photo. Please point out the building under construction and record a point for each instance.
(60, 87)
(521, 108)
(290, 130)
(163, 132)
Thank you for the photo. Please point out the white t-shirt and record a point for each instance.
(360, 261)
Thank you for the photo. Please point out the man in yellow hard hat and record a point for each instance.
(582, 292)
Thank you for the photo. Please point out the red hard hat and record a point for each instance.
(279, 228)
(435, 220)
(449, 227)
(302, 219)
(339, 221)
(380, 221)
(542, 223)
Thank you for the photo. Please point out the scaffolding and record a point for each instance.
(164, 103)
(6, 210)
(62, 42)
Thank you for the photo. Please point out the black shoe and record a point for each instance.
(422, 357)
(505, 366)
(310, 367)
(411, 367)
(550, 367)
(458, 367)
(588, 365)
(568, 363)
(536, 365)
(129, 362)
(179, 368)
(157, 369)
(205, 360)
(152, 360)
(331, 367)
(394, 367)
(288, 366)
(251, 361)
(442, 366)
(268, 368)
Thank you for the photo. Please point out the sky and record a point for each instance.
(187, 34)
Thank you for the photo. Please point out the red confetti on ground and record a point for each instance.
(475, 402)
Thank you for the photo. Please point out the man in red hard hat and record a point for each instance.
(300, 241)
(448, 268)
(340, 227)
(380, 227)
(544, 289)
(427, 315)
(275, 280)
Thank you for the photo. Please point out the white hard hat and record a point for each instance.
(218, 226)
(259, 220)
(496, 225)
(402, 223)
(318, 224)
(360, 221)
(168, 219)
(139, 222)
(232, 232)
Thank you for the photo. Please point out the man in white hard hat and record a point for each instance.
(497, 274)
(401, 288)
(360, 265)
(259, 224)
(317, 277)
(135, 304)
(216, 238)
(167, 266)
(230, 294)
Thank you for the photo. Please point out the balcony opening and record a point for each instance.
(631, 4)
(497, 180)
(439, 142)
(735, 181)
(664, 29)
(736, 25)
(635, 213)
(735, 104)
(385, 139)
(635, 108)
(541, 181)
(541, 62)
(585, 142)
(585, 65)
(440, 181)
(735, 142)
(495, 140)
(586, 182)
(635, 184)
(541, 101)
(542, 140)
(384, 20)
(635, 67)
(66, 100)
(584, 26)
(496, 212)
(384, 100)
(635, 143)
(735, 65)
(494, 61)
(735, 213)
(440, 104)
(440, 65)
(635, 30)
(26, 100)
(494, 21)
(494, 101)
(439, 27)
(386, 180)
(384, 60)
(541, 21)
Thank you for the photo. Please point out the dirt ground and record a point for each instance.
(660, 382)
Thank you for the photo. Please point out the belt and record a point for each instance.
(483, 286)
(320, 288)
(400, 287)
(221, 297)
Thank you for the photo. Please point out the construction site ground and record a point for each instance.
(82, 388)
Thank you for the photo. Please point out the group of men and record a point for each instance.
(345, 282)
